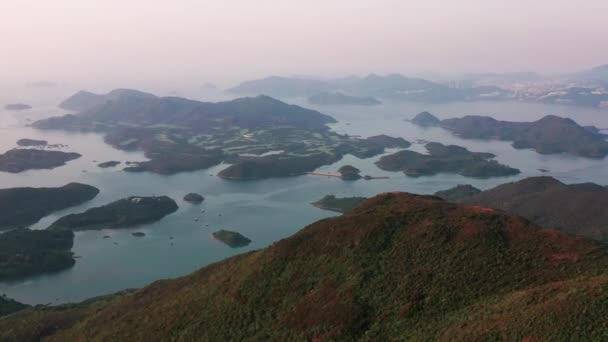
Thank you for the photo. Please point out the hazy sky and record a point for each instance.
(228, 40)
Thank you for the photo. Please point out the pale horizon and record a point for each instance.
(114, 43)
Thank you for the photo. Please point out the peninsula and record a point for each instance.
(22, 207)
(25, 252)
(549, 135)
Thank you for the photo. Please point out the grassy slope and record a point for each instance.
(397, 267)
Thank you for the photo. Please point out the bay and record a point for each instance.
(264, 211)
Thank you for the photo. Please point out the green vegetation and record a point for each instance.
(25, 252)
(442, 158)
(32, 142)
(22, 207)
(111, 163)
(386, 141)
(458, 193)
(180, 135)
(9, 306)
(349, 172)
(399, 267)
(127, 212)
(576, 208)
(32, 324)
(341, 205)
(549, 135)
(426, 119)
(19, 160)
(230, 238)
(194, 198)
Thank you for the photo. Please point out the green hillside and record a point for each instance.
(398, 267)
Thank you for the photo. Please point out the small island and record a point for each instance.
(194, 198)
(111, 163)
(341, 205)
(127, 212)
(458, 193)
(25, 252)
(448, 159)
(22, 207)
(426, 119)
(138, 234)
(19, 160)
(32, 143)
(349, 172)
(17, 106)
(327, 98)
(230, 238)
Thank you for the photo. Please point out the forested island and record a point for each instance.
(19, 160)
(111, 163)
(448, 159)
(32, 142)
(194, 198)
(231, 239)
(22, 207)
(179, 135)
(126, 212)
(426, 119)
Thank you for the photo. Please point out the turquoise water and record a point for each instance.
(264, 211)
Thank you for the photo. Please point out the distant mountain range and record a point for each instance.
(586, 88)
(327, 98)
(393, 86)
(397, 267)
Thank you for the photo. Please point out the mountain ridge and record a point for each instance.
(399, 266)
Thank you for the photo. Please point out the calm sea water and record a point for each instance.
(265, 211)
